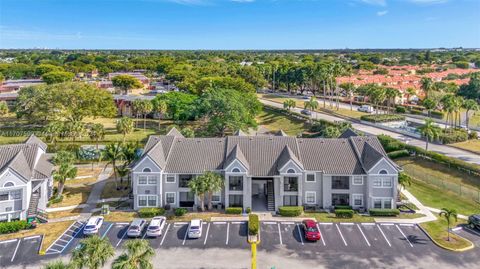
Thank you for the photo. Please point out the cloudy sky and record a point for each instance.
(239, 24)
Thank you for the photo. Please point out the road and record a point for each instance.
(442, 149)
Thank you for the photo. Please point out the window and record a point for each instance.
(152, 200)
(142, 180)
(16, 195)
(290, 200)
(8, 184)
(387, 182)
(216, 198)
(142, 200)
(357, 199)
(290, 184)
(152, 180)
(377, 203)
(291, 171)
(236, 170)
(377, 182)
(170, 197)
(147, 170)
(235, 183)
(183, 180)
(4, 197)
(310, 197)
(385, 203)
(357, 180)
(235, 200)
(186, 199)
(310, 178)
(8, 209)
(383, 172)
(340, 199)
(340, 182)
(170, 179)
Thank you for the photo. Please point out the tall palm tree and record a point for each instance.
(147, 108)
(138, 255)
(390, 95)
(160, 106)
(404, 180)
(410, 93)
(214, 183)
(198, 186)
(53, 131)
(311, 104)
(448, 106)
(470, 105)
(350, 90)
(93, 253)
(376, 95)
(448, 214)
(137, 106)
(429, 104)
(430, 131)
(289, 104)
(58, 265)
(96, 132)
(112, 153)
(427, 85)
(457, 105)
(65, 171)
(124, 126)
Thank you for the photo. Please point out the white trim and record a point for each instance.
(296, 165)
(148, 177)
(314, 197)
(314, 177)
(236, 160)
(360, 195)
(7, 183)
(236, 168)
(174, 178)
(379, 161)
(382, 199)
(174, 198)
(147, 196)
(142, 160)
(353, 180)
(149, 170)
(382, 179)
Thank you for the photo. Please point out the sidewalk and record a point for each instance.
(435, 210)
(95, 194)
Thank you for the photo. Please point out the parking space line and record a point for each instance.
(108, 229)
(321, 235)
(68, 235)
(381, 231)
(238, 222)
(368, 224)
(8, 241)
(185, 236)
(325, 223)
(386, 224)
(280, 234)
(121, 223)
(341, 235)
(288, 223)
(165, 234)
(206, 235)
(407, 224)
(270, 222)
(346, 223)
(73, 236)
(64, 233)
(123, 236)
(300, 234)
(179, 223)
(366, 240)
(15, 253)
(228, 231)
(470, 230)
(404, 235)
(31, 237)
(60, 239)
(220, 222)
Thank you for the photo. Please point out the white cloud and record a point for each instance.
(382, 13)
(375, 2)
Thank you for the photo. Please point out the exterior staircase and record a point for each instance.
(33, 210)
(270, 196)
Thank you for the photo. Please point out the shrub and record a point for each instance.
(473, 135)
(382, 118)
(437, 114)
(398, 154)
(13, 226)
(384, 212)
(451, 136)
(180, 211)
(344, 213)
(233, 210)
(253, 224)
(290, 211)
(249, 210)
(393, 146)
(400, 109)
(55, 200)
(150, 212)
(343, 207)
(416, 112)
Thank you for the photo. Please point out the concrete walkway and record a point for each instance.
(435, 210)
(442, 149)
(95, 194)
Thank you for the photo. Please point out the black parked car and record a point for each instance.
(474, 221)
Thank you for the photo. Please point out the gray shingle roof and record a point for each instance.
(175, 132)
(21, 158)
(286, 156)
(348, 133)
(32, 139)
(236, 154)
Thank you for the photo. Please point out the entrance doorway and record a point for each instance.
(263, 198)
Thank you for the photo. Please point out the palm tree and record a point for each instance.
(147, 108)
(96, 132)
(3, 108)
(198, 186)
(448, 106)
(429, 104)
(470, 105)
(457, 105)
(289, 104)
(160, 106)
(93, 253)
(376, 95)
(390, 95)
(124, 126)
(137, 106)
(410, 92)
(138, 255)
(53, 130)
(57, 265)
(350, 90)
(112, 153)
(404, 180)
(427, 85)
(448, 214)
(311, 104)
(430, 131)
(66, 170)
(123, 171)
(214, 183)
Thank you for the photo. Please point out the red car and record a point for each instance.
(310, 230)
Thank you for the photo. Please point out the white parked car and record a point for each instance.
(93, 225)
(156, 226)
(136, 228)
(366, 108)
(195, 228)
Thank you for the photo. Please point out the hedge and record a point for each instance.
(437, 114)
(398, 154)
(343, 207)
(384, 212)
(150, 212)
(13, 226)
(233, 210)
(451, 136)
(382, 118)
(253, 224)
(180, 212)
(400, 109)
(344, 213)
(416, 112)
(290, 211)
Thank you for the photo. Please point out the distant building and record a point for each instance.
(140, 76)
(124, 103)
(15, 85)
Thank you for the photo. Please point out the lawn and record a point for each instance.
(50, 231)
(65, 213)
(330, 217)
(74, 195)
(120, 216)
(110, 189)
(472, 145)
(206, 216)
(438, 231)
(275, 121)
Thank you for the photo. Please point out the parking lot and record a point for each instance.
(471, 234)
(18, 250)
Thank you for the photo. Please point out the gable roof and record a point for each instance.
(236, 154)
(348, 133)
(175, 132)
(32, 139)
(286, 156)
(240, 133)
(281, 133)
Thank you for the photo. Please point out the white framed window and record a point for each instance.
(377, 203)
(142, 180)
(15, 195)
(357, 199)
(377, 182)
(385, 203)
(152, 180)
(310, 178)
(216, 198)
(291, 171)
(170, 198)
(170, 179)
(310, 197)
(147, 170)
(9, 184)
(357, 180)
(387, 182)
(152, 200)
(235, 170)
(142, 200)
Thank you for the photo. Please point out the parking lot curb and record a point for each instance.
(448, 248)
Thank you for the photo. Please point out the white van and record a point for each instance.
(366, 109)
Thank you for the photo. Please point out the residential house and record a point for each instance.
(25, 180)
(266, 172)
(15, 85)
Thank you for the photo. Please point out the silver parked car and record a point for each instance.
(156, 226)
(136, 228)
(195, 228)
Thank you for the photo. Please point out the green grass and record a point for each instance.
(275, 121)
(330, 217)
(438, 231)
(472, 145)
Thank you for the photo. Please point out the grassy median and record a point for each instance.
(438, 231)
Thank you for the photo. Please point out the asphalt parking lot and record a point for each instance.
(471, 234)
(19, 250)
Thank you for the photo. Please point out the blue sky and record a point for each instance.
(239, 24)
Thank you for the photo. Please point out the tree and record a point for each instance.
(112, 153)
(138, 255)
(188, 132)
(390, 95)
(96, 132)
(350, 90)
(198, 186)
(159, 106)
(404, 180)
(208, 83)
(470, 105)
(47, 68)
(58, 265)
(146, 108)
(289, 104)
(73, 129)
(376, 94)
(57, 77)
(66, 170)
(53, 130)
(429, 104)
(311, 104)
(448, 214)
(427, 85)
(214, 183)
(430, 131)
(124, 126)
(3, 108)
(93, 253)
(472, 89)
(180, 106)
(126, 83)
